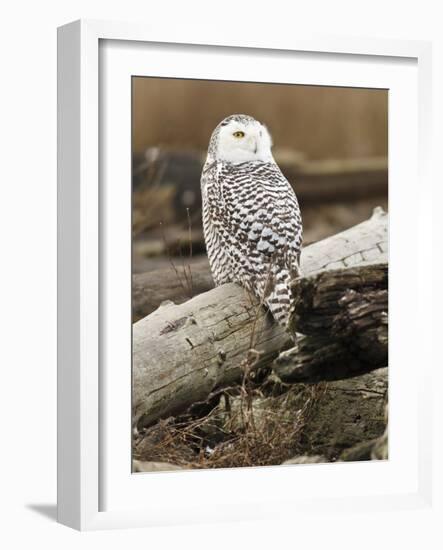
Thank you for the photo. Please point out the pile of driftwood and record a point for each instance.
(217, 384)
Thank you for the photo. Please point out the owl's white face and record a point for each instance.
(244, 142)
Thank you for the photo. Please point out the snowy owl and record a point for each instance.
(251, 218)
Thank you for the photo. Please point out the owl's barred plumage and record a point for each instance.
(251, 218)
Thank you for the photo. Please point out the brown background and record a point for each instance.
(323, 122)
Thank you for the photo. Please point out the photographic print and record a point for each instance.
(259, 274)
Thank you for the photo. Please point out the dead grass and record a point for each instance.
(247, 425)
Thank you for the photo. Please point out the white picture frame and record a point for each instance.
(96, 491)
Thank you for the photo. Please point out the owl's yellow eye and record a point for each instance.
(238, 134)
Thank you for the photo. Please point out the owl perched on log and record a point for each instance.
(251, 218)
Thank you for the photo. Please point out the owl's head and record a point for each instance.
(240, 138)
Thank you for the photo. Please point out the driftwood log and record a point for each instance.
(181, 353)
(342, 315)
(349, 420)
(150, 289)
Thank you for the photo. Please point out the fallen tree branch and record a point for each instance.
(181, 353)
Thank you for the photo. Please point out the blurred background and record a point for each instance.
(330, 142)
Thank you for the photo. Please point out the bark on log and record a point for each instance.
(343, 315)
(182, 352)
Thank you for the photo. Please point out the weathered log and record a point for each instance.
(343, 315)
(348, 422)
(182, 352)
(349, 418)
(150, 289)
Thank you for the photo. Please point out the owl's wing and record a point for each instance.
(253, 230)
(260, 208)
(216, 225)
(262, 216)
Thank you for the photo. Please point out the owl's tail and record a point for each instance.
(280, 301)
